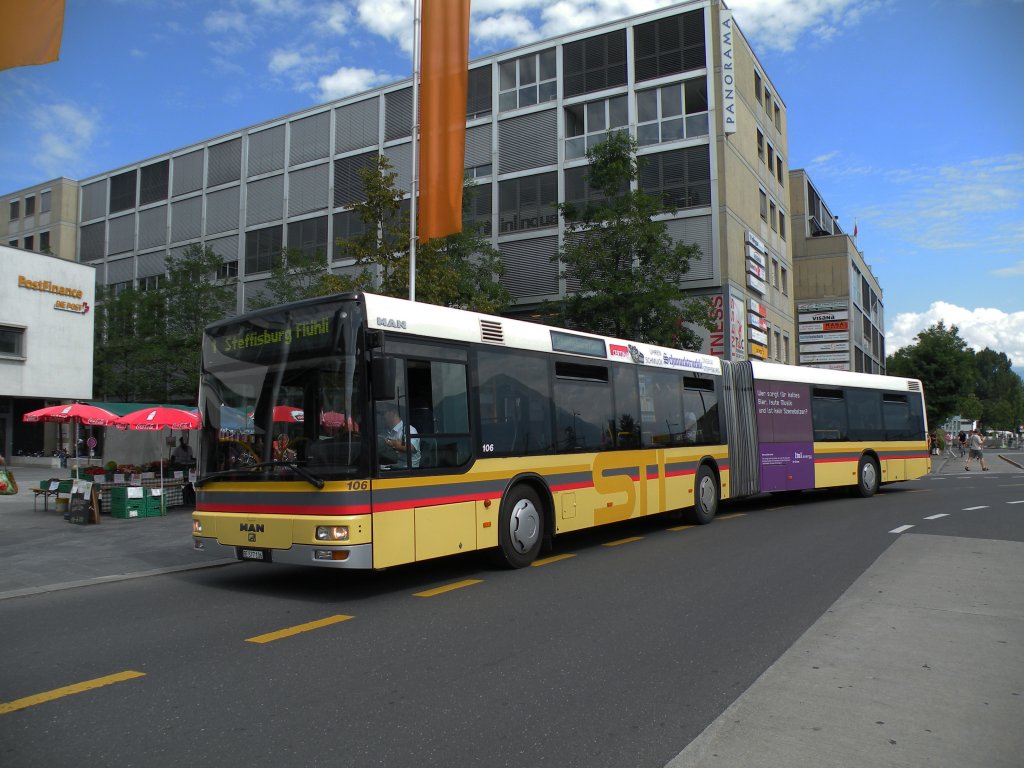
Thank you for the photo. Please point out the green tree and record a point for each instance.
(124, 328)
(626, 265)
(297, 275)
(943, 363)
(193, 297)
(461, 270)
(999, 389)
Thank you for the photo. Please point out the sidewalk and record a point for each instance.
(42, 552)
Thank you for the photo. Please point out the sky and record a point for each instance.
(907, 114)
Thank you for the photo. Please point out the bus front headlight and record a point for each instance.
(332, 533)
(197, 526)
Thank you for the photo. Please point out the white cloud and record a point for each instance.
(226, 21)
(65, 136)
(391, 19)
(980, 328)
(780, 24)
(333, 18)
(282, 61)
(1017, 270)
(349, 80)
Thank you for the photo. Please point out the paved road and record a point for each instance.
(621, 655)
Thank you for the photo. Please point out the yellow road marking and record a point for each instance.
(630, 540)
(552, 559)
(730, 517)
(448, 588)
(67, 690)
(682, 527)
(271, 636)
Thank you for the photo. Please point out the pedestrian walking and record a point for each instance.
(976, 451)
(962, 441)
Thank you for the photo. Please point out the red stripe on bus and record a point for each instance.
(262, 509)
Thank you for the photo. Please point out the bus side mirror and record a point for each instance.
(383, 372)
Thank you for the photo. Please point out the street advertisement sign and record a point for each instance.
(785, 434)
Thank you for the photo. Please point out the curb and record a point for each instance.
(1008, 460)
(29, 591)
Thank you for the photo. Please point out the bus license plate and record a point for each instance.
(261, 555)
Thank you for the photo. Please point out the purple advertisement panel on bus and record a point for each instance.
(785, 435)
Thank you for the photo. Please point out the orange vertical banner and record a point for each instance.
(444, 46)
(30, 31)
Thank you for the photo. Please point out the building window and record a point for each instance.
(12, 341)
(44, 202)
(672, 112)
(760, 145)
(309, 236)
(669, 46)
(580, 194)
(764, 205)
(785, 349)
(348, 225)
(150, 283)
(528, 80)
(778, 120)
(589, 124)
(773, 216)
(30, 243)
(778, 170)
(757, 85)
(476, 208)
(15, 210)
(771, 159)
(13, 243)
(44, 242)
(154, 182)
(122, 191)
(775, 273)
(782, 224)
(227, 269)
(767, 101)
(528, 202)
(777, 351)
(478, 172)
(478, 93)
(116, 289)
(594, 64)
(784, 279)
(682, 177)
(263, 249)
(30, 205)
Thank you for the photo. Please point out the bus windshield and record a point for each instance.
(282, 395)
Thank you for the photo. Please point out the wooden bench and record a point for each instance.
(51, 488)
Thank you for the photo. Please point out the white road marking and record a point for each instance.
(936, 517)
(1016, 502)
(901, 529)
(971, 509)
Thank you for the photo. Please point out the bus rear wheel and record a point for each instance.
(867, 477)
(520, 528)
(705, 497)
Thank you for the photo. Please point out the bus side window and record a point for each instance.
(828, 411)
(865, 414)
(439, 412)
(515, 403)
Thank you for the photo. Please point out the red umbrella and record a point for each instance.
(86, 414)
(160, 417)
(288, 415)
(80, 413)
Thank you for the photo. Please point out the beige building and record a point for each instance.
(42, 218)
(840, 314)
(752, 169)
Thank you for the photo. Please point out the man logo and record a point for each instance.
(252, 527)
(387, 322)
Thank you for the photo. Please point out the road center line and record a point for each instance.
(448, 588)
(281, 633)
(901, 529)
(936, 517)
(68, 690)
(630, 540)
(731, 516)
(681, 527)
(972, 509)
(1016, 502)
(552, 559)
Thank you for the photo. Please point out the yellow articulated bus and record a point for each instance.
(359, 431)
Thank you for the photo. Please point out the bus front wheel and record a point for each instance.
(520, 528)
(705, 497)
(867, 477)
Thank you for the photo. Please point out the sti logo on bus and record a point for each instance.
(387, 322)
(251, 527)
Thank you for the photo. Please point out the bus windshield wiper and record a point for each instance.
(295, 467)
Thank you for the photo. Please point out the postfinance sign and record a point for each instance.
(45, 286)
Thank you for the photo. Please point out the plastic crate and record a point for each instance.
(130, 508)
